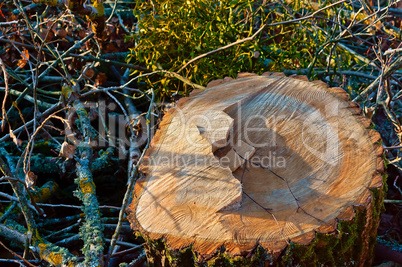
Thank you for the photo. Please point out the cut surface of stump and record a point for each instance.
(264, 161)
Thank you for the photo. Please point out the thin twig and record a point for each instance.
(131, 180)
(16, 255)
(392, 201)
(125, 252)
(397, 187)
(113, 10)
(3, 107)
(86, 57)
(28, 124)
(392, 147)
(388, 71)
(390, 51)
(74, 207)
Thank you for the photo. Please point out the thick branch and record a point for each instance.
(91, 231)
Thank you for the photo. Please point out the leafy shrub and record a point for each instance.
(170, 33)
(173, 32)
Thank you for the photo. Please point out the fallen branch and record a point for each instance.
(91, 231)
(54, 255)
(16, 255)
(132, 174)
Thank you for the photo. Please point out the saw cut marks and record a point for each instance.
(214, 126)
(237, 155)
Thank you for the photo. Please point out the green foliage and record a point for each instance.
(171, 33)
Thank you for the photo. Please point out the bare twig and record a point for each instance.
(390, 51)
(139, 260)
(113, 10)
(46, 249)
(392, 201)
(388, 71)
(86, 57)
(45, 114)
(127, 251)
(392, 147)
(75, 207)
(397, 187)
(131, 179)
(3, 107)
(16, 255)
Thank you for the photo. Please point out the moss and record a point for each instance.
(81, 112)
(184, 257)
(51, 257)
(56, 256)
(10, 223)
(47, 2)
(99, 7)
(87, 186)
(346, 248)
(42, 164)
(91, 230)
(104, 160)
(66, 91)
(45, 147)
(257, 258)
(159, 254)
(45, 191)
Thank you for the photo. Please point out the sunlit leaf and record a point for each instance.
(25, 57)
(16, 141)
(67, 151)
(30, 179)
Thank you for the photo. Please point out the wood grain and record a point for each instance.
(302, 131)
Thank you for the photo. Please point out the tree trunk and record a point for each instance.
(261, 170)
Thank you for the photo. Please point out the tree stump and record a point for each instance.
(261, 170)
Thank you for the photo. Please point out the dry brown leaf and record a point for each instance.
(101, 79)
(67, 150)
(16, 141)
(62, 33)
(81, 34)
(368, 112)
(89, 73)
(43, 33)
(25, 57)
(3, 124)
(30, 179)
(1, 13)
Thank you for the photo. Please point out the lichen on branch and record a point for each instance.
(91, 230)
